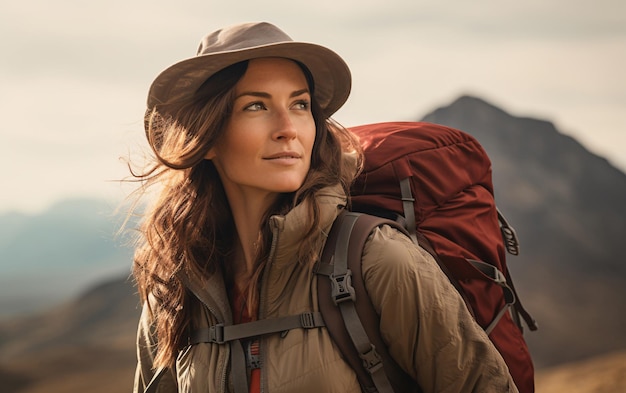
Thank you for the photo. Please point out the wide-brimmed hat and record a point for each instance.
(231, 45)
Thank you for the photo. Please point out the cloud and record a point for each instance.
(75, 74)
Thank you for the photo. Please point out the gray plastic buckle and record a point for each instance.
(216, 333)
(371, 360)
(342, 288)
(307, 320)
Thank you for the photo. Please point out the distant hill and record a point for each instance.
(86, 345)
(105, 315)
(568, 206)
(602, 374)
(48, 257)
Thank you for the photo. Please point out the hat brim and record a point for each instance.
(330, 73)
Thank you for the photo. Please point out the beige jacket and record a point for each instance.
(423, 319)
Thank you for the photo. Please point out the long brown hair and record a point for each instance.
(190, 227)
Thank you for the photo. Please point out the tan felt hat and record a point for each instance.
(231, 45)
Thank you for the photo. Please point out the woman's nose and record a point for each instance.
(285, 127)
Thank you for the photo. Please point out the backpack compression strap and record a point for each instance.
(350, 317)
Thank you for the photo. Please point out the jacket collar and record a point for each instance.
(289, 230)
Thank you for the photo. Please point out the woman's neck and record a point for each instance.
(247, 215)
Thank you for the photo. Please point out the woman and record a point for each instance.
(253, 173)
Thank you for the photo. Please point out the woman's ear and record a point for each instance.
(210, 154)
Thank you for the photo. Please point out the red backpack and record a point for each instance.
(434, 183)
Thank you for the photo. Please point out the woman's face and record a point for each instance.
(266, 147)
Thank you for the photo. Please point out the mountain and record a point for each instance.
(568, 208)
(48, 257)
(565, 203)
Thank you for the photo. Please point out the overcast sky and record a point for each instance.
(74, 74)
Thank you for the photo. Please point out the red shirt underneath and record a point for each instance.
(240, 315)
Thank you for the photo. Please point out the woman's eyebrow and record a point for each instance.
(299, 92)
(262, 94)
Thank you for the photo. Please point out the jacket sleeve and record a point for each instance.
(423, 319)
(146, 351)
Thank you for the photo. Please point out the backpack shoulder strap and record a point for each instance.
(350, 317)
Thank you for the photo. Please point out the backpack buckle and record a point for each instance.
(216, 333)
(371, 360)
(341, 287)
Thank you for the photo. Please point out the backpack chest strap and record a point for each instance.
(221, 334)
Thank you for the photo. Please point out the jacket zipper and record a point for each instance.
(226, 348)
(225, 369)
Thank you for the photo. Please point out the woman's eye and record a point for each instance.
(303, 105)
(255, 106)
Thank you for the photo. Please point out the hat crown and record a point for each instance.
(241, 36)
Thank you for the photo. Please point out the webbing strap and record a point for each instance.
(530, 321)
(408, 205)
(366, 350)
(497, 277)
(497, 318)
(238, 370)
(512, 244)
(220, 334)
(341, 276)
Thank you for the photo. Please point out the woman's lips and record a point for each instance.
(284, 158)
